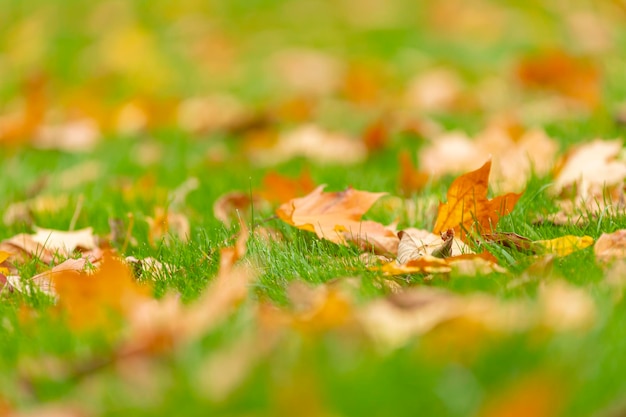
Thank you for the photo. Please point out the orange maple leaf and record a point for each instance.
(468, 209)
(337, 216)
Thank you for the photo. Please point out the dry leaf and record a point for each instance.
(415, 243)
(166, 224)
(278, 189)
(435, 90)
(555, 70)
(515, 154)
(411, 179)
(237, 205)
(564, 245)
(536, 395)
(65, 242)
(159, 325)
(591, 168)
(91, 300)
(308, 72)
(509, 239)
(80, 135)
(46, 244)
(317, 144)
(468, 210)
(611, 246)
(336, 216)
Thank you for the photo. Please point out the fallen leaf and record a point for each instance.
(509, 240)
(336, 216)
(165, 224)
(77, 136)
(376, 136)
(315, 143)
(278, 189)
(538, 395)
(415, 243)
(611, 246)
(434, 90)
(468, 210)
(307, 71)
(564, 307)
(158, 325)
(91, 300)
(564, 245)
(47, 244)
(411, 179)
(575, 77)
(65, 242)
(237, 205)
(590, 169)
(515, 153)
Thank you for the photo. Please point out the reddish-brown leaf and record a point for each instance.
(468, 209)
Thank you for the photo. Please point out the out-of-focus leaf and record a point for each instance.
(564, 245)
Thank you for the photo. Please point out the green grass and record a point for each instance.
(453, 370)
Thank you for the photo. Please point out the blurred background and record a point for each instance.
(72, 72)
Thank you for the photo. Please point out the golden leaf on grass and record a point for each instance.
(336, 216)
(468, 209)
(564, 245)
(91, 300)
(611, 246)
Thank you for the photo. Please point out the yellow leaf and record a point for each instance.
(564, 245)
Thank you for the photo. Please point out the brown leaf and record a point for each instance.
(468, 210)
(336, 216)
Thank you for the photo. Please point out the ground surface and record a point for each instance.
(181, 133)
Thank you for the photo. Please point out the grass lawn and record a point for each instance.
(137, 118)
